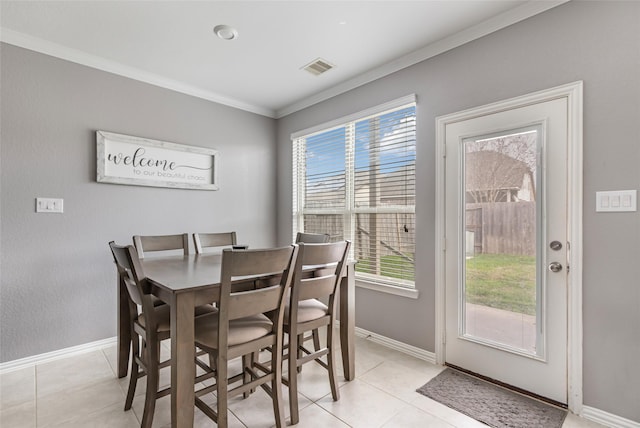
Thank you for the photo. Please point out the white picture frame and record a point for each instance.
(124, 159)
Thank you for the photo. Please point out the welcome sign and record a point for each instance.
(123, 159)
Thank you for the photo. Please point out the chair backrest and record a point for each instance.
(239, 265)
(208, 240)
(130, 272)
(328, 262)
(145, 244)
(312, 238)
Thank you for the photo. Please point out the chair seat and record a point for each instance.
(241, 330)
(308, 310)
(163, 315)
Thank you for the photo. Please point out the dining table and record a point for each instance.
(185, 282)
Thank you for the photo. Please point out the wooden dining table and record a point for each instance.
(184, 282)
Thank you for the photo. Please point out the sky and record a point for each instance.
(326, 151)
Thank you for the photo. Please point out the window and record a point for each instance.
(355, 179)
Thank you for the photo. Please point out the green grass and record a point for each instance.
(502, 281)
(499, 281)
(390, 266)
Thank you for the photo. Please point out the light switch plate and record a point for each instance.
(617, 201)
(49, 205)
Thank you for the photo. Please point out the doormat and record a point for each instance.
(490, 404)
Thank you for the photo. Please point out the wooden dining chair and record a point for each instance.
(152, 243)
(240, 329)
(312, 238)
(212, 240)
(160, 243)
(150, 324)
(304, 312)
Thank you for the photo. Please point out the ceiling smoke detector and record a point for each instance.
(318, 66)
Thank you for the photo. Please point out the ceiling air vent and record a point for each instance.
(318, 66)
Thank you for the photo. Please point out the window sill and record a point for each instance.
(410, 293)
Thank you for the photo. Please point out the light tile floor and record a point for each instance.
(83, 391)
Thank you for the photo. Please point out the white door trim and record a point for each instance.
(573, 93)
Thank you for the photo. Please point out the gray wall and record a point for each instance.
(597, 42)
(58, 278)
(57, 284)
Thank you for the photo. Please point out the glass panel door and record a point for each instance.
(506, 245)
(501, 301)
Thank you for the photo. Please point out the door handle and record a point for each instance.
(555, 267)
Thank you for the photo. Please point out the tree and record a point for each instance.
(501, 169)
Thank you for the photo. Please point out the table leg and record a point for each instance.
(348, 321)
(183, 367)
(124, 329)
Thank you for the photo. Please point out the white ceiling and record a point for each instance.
(171, 43)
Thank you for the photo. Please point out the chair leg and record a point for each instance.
(276, 387)
(222, 386)
(247, 363)
(133, 381)
(316, 339)
(298, 348)
(331, 362)
(212, 362)
(153, 373)
(293, 379)
(133, 373)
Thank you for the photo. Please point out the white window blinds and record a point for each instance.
(356, 180)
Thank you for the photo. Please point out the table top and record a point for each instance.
(175, 274)
(179, 273)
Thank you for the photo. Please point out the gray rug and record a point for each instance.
(489, 403)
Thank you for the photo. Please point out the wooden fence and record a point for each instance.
(497, 228)
(502, 227)
(394, 232)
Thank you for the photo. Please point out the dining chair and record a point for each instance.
(210, 240)
(241, 329)
(312, 238)
(304, 312)
(153, 243)
(149, 243)
(150, 324)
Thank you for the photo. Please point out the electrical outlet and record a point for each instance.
(49, 205)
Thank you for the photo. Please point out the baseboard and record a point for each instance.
(607, 419)
(398, 346)
(22, 363)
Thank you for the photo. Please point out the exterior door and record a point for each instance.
(507, 246)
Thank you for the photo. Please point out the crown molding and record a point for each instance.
(496, 23)
(79, 57)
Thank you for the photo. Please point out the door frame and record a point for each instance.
(573, 93)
